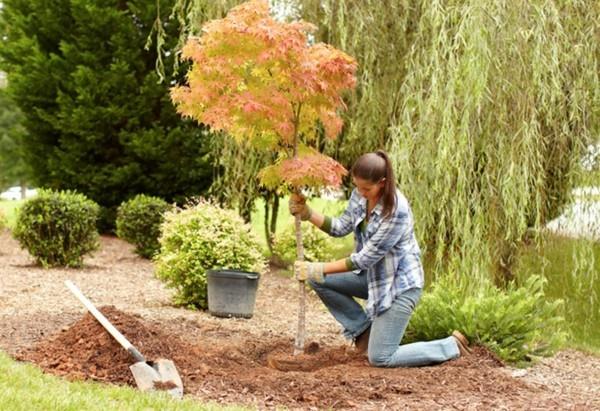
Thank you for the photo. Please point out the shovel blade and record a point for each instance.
(162, 375)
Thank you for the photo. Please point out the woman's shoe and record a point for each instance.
(462, 342)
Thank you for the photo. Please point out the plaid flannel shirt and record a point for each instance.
(387, 250)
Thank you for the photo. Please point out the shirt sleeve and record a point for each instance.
(342, 225)
(389, 233)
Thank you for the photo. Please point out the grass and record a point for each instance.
(572, 268)
(25, 387)
(9, 208)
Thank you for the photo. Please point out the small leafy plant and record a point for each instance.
(517, 323)
(138, 222)
(199, 238)
(58, 228)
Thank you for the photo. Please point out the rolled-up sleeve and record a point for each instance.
(342, 225)
(389, 233)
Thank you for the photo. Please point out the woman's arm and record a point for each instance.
(339, 266)
(316, 218)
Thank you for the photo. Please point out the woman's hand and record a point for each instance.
(297, 205)
(303, 270)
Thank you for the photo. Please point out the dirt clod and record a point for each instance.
(164, 385)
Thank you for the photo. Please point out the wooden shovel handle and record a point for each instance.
(105, 323)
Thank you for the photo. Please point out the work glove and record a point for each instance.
(297, 205)
(303, 270)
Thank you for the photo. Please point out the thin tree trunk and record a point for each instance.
(274, 215)
(301, 332)
(268, 235)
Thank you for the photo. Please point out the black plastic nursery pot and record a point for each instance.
(232, 293)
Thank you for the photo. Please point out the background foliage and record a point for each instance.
(318, 246)
(485, 107)
(13, 169)
(98, 121)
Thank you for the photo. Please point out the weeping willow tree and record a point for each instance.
(485, 106)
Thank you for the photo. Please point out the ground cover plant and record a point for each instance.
(518, 323)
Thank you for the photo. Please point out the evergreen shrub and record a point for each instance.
(58, 228)
(138, 222)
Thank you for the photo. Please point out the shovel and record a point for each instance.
(149, 375)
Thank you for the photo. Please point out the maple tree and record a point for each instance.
(265, 84)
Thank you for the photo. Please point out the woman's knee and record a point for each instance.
(379, 359)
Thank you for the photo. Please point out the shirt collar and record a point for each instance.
(376, 210)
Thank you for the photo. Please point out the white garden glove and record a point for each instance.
(303, 270)
(297, 205)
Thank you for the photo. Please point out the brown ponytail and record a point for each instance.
(373, 167)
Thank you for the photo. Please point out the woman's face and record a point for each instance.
(371, 191)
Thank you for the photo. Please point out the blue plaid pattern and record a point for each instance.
(387, 250)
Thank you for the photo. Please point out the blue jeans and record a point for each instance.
(387, 329)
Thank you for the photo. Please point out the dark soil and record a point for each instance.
(251, 373)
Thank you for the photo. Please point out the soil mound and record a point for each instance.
(87, 351)
(252, 373)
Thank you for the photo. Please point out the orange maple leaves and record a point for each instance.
(261, 81)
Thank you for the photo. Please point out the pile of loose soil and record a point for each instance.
(323, 377)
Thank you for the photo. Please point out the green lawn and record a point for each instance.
(24, 387)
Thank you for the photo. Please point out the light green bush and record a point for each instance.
(58, 227)
(138, 222)
(318, 246)
(203, 237)
(517, 324)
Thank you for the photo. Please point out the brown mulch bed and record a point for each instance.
(239, 361)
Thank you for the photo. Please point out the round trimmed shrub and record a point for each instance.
(138, 222)
(58, 227)
(318, 246)
(203, 237)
